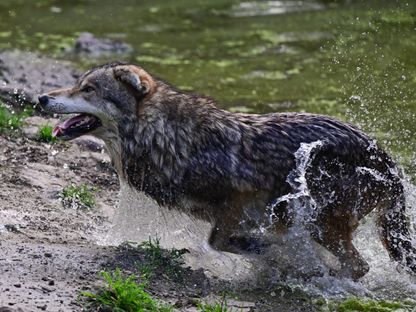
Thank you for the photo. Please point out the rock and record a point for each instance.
(31, 132)
(87, 45)
(24, 75)
(232, 305)
(90, 143)
(39, 121)
(34, 123)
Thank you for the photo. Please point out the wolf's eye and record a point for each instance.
(87, 89)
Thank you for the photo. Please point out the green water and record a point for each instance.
(351, 59)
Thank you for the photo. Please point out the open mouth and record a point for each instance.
(76, 126)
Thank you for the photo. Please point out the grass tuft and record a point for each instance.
(9, 121)
(160, 260)
(45, 134)
(123, 294)
(216, 307)
(78, 196)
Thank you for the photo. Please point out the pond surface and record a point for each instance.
(351, 59)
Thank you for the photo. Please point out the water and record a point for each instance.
(139, 218)
(349, 59)
(294, 256)
(297, 180)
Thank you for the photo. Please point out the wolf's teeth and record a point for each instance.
(81, 122)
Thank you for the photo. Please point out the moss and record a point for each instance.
(397, 17)
(367, 305)
(166, 60)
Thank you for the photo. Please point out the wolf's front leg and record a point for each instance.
(224, 238)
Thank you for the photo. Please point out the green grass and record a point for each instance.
(45, 134)
(216, 307)
(78, 196)
(368, 305)
(158, 259)
(9, 121)
(122, 294)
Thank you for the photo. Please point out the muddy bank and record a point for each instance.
(24, 75)
(48, 252)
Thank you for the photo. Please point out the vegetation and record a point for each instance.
(216, 307)
(368, 305)
(45, 134)
(157, 259)
(78, 196)
(123, 294)
(10, 120)
(126, 294)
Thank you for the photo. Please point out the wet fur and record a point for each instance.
(227, 168)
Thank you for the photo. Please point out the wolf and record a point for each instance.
(237, 171)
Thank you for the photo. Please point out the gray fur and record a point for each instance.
(179, 148)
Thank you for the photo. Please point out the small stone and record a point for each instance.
(88, 45)
(48, 255)
(17, 285)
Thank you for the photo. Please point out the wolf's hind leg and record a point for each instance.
(336, 236)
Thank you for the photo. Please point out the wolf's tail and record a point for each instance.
(394, 230)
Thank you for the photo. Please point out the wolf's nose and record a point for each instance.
(43, 99)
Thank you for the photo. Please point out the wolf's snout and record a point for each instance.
(43, 99)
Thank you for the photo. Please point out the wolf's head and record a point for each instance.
(100, 99)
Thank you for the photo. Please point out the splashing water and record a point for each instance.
(294, 257)
(297, 181)
(386, 278)
(139, 218)
(298, 253)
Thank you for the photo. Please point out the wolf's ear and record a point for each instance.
(135, 78)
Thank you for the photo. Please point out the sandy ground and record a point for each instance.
(49, 251)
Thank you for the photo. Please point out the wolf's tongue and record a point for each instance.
(60, 128)
(57, 131)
